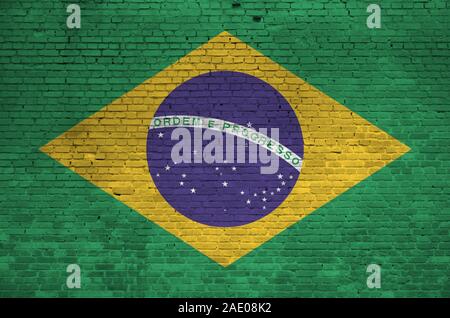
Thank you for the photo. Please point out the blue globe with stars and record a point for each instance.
(228, 193)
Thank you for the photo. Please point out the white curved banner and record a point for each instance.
(227, 127)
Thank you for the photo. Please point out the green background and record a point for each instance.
(397, 77)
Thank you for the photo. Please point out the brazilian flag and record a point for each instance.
(224, 149)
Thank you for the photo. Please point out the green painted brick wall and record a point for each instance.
(397, 77)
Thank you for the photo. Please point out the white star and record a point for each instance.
(255, 195)
(248, 201)
(264, 207)
(234, 168)
(160, 135)
(242, 192)
(278, 189)
(217, 168)
(280, 176)
(290, 177)
(193, 190)
(183, 175)
(264, 192)
(181, 183)
(249, 124)
(271, 193)
(283, 183)
(264, 199)
(225, 184)
(157, 174)
(167, 168)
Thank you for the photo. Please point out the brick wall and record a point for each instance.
(397, 77)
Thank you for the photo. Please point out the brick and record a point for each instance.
(397, 77)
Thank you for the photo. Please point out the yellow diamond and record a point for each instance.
(340, 149)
